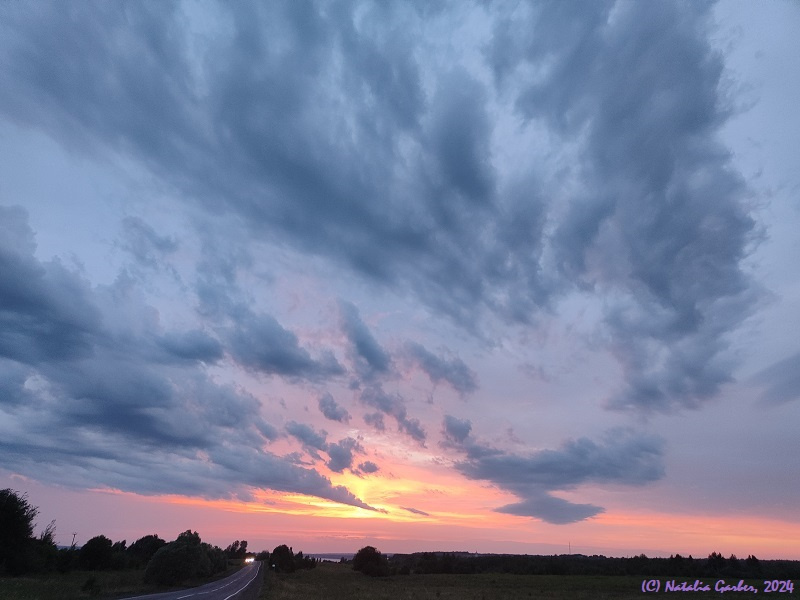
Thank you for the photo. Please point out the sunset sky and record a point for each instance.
(496, 277)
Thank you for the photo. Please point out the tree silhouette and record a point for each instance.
(143, 549)
(371, 562)
(282, 559)
(16, 530)
(96, 554)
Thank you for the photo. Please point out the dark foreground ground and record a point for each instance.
(82, 585)
(332, 581)
(339, 582)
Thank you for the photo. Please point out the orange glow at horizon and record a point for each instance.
(460, 515)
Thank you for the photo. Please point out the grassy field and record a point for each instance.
(83, 585)
(77, 585)
(333, 581)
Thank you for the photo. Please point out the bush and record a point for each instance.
(282, 559)
(16, 531)
(96, 554)
(142, 550)
(184, 559)
(371, 562)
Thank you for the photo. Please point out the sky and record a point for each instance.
(494, 277)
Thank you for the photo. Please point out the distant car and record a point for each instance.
(249, 559)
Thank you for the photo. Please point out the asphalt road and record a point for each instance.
(222, 589)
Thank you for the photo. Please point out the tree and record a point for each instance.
(184, 559)
(96, 554)
(143, 549)
(371, 562)
(16, 531)
(282, 559)
(237, 549)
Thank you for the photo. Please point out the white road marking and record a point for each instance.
(246, 584)
(236, 579)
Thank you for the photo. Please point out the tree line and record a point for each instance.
(715, 565)
(370, 561)
(185, 559)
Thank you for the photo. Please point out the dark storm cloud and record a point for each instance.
(369, 358)
(393, 405)
(781, 381)
(192, 345)
(312, 123)
(454, 371)
(332, 410)
(260, 343)
(309, 121)
(622, 457)
(13, 376)
(95, 393)
(460, 138)
(662, 218)
(46, 311)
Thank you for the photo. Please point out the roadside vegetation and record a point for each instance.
(33, 567)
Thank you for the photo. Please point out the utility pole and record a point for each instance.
(73, 539)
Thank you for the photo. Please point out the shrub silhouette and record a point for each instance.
(184, 559)
(96, 554)
(371, 562)
(282, 559)
(16, 531)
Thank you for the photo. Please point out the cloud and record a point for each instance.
(456, 430)
(332, 410)
(327, 131)
(95, 393)
(463, 152)
(192, 345)
(392, 405)
(368, 467)
(416, 511)
(145, 245)
(661, 222)
(46, 311)
(369, 358)
(453, 371)
(375, 420)
(13, 393)
(622, 457)
(551, 509)
(342, 454)
(308, 436)
(780, 380)
(260, 343)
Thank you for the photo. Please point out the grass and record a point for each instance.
(84, 585)
(334, 581)
(76, 585)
